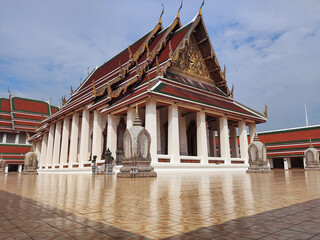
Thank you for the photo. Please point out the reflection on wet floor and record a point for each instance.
(81, 205)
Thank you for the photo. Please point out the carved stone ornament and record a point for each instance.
(136, 158)
(312, 159)
(258, 157)
(190, 61)
(30, 163)
(2, 166)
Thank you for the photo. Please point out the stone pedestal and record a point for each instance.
(136, 152)
(258, 157)
(312, 159)
(2, 166)
(30, 163)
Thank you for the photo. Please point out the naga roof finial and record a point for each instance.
(130, 53)
(200, 13)
(266, 111)
(160, 21)
(178, 15)
(71, 90)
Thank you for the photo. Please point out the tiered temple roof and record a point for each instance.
(22, 114)
(176, 63)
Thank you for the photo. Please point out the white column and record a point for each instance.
(289, 162)
(65, 141)
(224, 140)
(84, 143)
(252, 131)
(50, 145)
(151, 123)
(173, 134)
(74, 139)
(285, 164)
(20, 168)
(202, 144)
(243, 138)
(270, 160)
(158, 132)
(4, 140)
(43, 154)
(16, 141)
(57, 143)
(6, 169)
(112, 134)
(234, 142)
(183, 136)
(97, 135)
(130, 117)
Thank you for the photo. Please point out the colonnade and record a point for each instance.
(73, 140)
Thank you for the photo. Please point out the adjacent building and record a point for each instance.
(19, 119)
(172, 75)
(285, 147)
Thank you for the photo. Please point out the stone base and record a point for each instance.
(259, 170)
(312, 168)
(136, 174)
(30, 172)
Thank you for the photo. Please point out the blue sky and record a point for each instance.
(271, 48)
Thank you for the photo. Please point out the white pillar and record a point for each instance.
(158, 132)
(74, 139)
(6, 169)
(57, 143)
(16, 141)
(97, 135)
(130, 117)
(20, 168)
(151, 123)
(270, 160)
(43, 154)
(183, 136)
(224, 140)
(4, 140)
(65, 141)
(289, 162)
(84, 143)
(37, 150)
(112, 134)
(243, 138)
(234, 142)
(252, 131)
(202, 144)
(173, 134)
(50, 145)
(285, 163)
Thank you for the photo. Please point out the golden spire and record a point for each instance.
(160, 21)
(266, 111)
(200, 13)
(71, 90)
(94, 93)
(178, 15)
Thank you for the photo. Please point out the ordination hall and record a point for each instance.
(170, 76)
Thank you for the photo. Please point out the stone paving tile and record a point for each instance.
(173, 206)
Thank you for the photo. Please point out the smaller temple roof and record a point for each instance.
(22, 114)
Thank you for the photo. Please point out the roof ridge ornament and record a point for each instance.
(178, 13)
(130, 53)
(71, 90)
(200, 13)
(266, 111)
(160, 21)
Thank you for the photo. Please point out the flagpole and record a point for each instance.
(305, 110)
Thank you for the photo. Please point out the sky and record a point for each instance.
(271, 48)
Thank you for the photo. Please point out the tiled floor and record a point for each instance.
(229, 205)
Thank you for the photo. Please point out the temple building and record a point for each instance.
(172, 75)
(19, 119)
(285, 147)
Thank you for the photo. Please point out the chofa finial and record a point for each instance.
(266, 111)
(178, 14)
(160, 21)
(200, 13)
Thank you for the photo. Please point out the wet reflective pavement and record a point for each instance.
(225, 205)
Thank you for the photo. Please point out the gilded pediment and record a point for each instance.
(190, 61)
